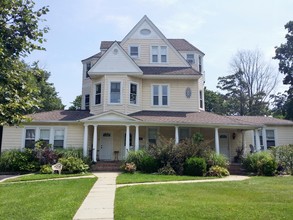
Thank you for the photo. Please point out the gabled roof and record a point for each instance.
(152, 70)
(110, 117)
(59, 115)
(105, 45)
(183, 45)
(262, 120)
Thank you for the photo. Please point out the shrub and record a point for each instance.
(218, 171)
(195, 166)
(45, 155)
(70, 152)
(130, 167)
(261, 163)
(167, 170)
(136, 157)
(214, 159)
(46, 169)
(148, 164)
(284, 157)
(73, 165)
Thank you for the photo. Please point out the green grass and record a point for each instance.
(43, 177)
(256, 198)
(43, 200)
(141, 178)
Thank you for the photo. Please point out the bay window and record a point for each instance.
(115, 92)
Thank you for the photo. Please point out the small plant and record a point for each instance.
(136, 157)
(195, 166)
(284, 157)
(130, 167)
(73, 165)
(167, 170)
(239, 154)
(217, 171)
(214, 159)
(46, 169)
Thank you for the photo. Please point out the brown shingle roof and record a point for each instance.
(262, 120)
(150, 70)
(105, 45)
(183, 45)
(194, 118)
(60, 115)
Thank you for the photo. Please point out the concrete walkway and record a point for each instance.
(99, 203)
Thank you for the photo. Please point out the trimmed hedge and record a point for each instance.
(195, 166)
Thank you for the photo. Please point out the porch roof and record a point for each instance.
(191, 118)
(263, 120)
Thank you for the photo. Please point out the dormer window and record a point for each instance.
(200, 64)
(88, 67)
(159, 54)
(133, 51)
(190, 58)
(115, 92)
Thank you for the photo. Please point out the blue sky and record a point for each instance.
(218, 28)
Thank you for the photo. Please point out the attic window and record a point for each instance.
(145, 32)
(133, 51)
(190, 58)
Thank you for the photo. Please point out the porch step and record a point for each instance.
(236, 169)
(106, 166)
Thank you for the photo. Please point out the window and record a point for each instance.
(133, 93)
(270, 138)
(130, 139)
(115, 92)
(59, 138)
(160, 95)
(163, 54)
(200, 99)
(200, 64)
(152, 135)
(45, 135)
(88, 67)
(190, 58)
(155, 54)
(87, 102)
(184, 133)
(98, 94)
(133, 51)
(30, 138)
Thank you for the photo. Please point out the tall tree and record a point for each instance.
(284, 53)
(76, 104)
(215, 102)
(20, 35)
(250, 85)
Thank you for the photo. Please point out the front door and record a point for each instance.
(106, 146)
(224, 145)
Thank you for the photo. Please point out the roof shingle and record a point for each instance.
(262, 120)
(151, 70)
(60, 115)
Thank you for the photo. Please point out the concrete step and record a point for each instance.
(236, 169)
(106, 166)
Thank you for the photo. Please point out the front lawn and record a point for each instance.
(43, 200)
(255, 198)
(142, 178)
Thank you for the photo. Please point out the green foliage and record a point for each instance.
(214, 159)
(261, 163)
(217, 171)
(284, 157)
(136, 157)
(167, 170)
(73, 165)
(195, 166)
(15, 161)
(148, 164)
(215, 102)
(46, 169)
(76, 104)
(129, 167)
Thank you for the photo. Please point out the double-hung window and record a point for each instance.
(115, 92)
(133, 93)
(59, 138)
(87, 102)
(45, 135)
(200, 64)
(98, 94)
(30, 138)
(159, 54)
(160, 95)
(152, 135)
(200, 99)
(190, 58)
(133, 51)
(270, 138)
(88, 67)
(184, 133)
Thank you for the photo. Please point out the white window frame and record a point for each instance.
(200, 63)
(190, 61)
(148, 133)
(138, 51)
(160, 104)
(159, 54)
(275, 136)
(51, 138)
(137, 92)
(98, 83)
(85, 103)
(200, 99)
(109, 93)
(87, 64)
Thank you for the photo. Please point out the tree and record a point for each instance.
(20, 35)
(250, 85)
(76, 104)
(215, 102)
(284, 53)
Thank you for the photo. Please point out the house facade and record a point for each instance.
(138, 89)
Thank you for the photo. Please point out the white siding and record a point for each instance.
(74, 136)
(12, 138)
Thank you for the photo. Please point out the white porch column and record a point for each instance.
(127, 141)
(264, 139)
(257, 140)
(217, 143)
(176, 135)
(136, 137)
(95, 143)
(243, 141)
(85, 140)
